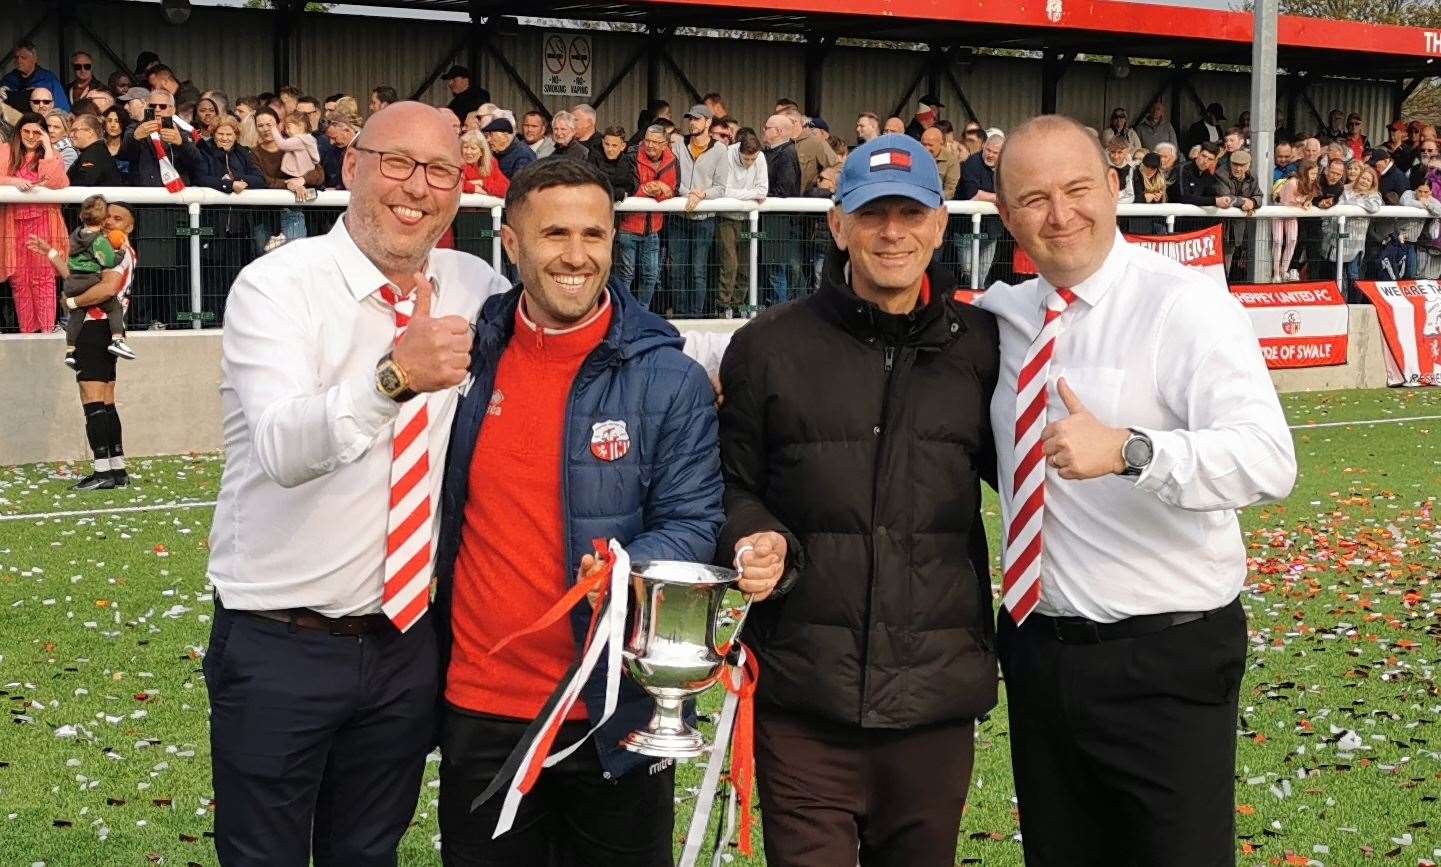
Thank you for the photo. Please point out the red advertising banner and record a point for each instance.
(1298, 324)
(1410, 314)
(1201, 250)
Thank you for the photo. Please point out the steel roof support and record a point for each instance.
(956, 84)
(283, 25)
(515, 76)
(816, 50)
(625, 69)
(655, 49)
(467, 40)
(1053, 66)
(29, 34)
(680, 73)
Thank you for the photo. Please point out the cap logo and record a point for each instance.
(894, 159)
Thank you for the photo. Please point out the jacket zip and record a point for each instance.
(888, 362)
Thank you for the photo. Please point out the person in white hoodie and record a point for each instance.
(701, 161)
(746, 179)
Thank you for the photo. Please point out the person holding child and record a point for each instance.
(92, 251)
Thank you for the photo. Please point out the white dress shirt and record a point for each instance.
(1151, 345)
(302, 511)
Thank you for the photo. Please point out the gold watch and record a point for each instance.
(392, 381)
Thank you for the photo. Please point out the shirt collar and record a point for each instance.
(1094, 288)
(595, 314)
(362, 278)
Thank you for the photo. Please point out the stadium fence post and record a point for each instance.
(197, 302)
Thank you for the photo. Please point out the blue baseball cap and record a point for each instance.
(889, 165)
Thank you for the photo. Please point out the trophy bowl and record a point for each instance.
(681, 618)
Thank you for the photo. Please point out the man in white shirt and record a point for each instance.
(1138, 417)
(322, 666)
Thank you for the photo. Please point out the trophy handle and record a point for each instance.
(734, 604)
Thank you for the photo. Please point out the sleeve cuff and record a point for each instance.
(1166, 447)
(365, 409)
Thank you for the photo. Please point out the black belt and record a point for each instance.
(1079, 630)
(304, 618)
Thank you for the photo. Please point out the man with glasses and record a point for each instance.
(340, 363)
(27, 75)
(42, 101)
(179, 149)
(84, 68)
(1356, 139)
(161, 284)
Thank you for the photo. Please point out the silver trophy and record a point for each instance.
(682, 616)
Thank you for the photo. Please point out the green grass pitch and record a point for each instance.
(104, 758)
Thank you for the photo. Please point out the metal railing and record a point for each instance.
(192, 244)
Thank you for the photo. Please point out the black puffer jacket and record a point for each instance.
(863, 438)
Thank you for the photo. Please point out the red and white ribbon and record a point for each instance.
(168, 175)
(607, 630)
(736, 724)
(186, 128)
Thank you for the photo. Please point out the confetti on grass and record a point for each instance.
(106, 759)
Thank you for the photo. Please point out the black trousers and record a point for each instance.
(832, 794)
(573, 816)
(1124, 751)
(318, 741)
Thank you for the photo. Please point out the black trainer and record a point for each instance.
(70, 361)
(120, 478)
(95, 482)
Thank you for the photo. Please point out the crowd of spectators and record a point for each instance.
(151, 128)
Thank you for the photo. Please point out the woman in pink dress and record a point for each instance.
(27, 162)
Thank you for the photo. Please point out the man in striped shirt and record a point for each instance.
(94, 363)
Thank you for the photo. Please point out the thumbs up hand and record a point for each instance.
(433, 352)
(1079, 446)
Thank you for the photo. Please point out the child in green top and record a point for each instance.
(91, 252)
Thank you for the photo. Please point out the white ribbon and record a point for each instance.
(705, 800)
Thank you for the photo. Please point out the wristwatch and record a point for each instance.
(1137, 452)
(391, 380)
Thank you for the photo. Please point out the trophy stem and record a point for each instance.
(667, 735)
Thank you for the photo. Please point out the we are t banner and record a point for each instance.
(1200, 250)
(1298, 324)
(1410, 314)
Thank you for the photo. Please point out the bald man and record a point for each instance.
(322, 666)
(1146, 419)
(934, 141)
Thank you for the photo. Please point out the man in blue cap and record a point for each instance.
(854, 438)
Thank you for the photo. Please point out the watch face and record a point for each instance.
(1138, 452)
(389, 382)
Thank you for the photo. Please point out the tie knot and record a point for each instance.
(1060, 299)
(391, 296)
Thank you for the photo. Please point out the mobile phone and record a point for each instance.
(149, 114)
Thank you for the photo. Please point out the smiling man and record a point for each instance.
(1134, 416)
(584, 421)
(864, 482)
(339, 366)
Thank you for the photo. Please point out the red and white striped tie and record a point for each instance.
(1021, 584)
(408, 558)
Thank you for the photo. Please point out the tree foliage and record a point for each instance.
(270, 4)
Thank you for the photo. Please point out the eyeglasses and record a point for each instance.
(399, 167)
(158, 106)
(79, 66)
(42, 102)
